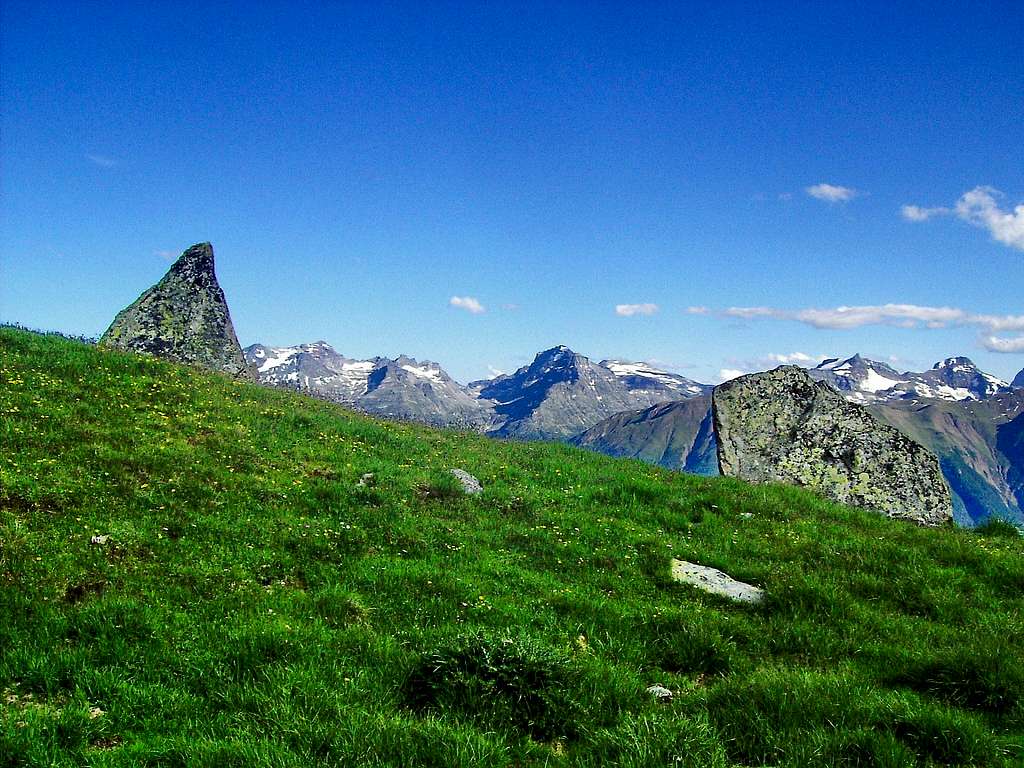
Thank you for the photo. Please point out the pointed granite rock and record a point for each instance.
(183, 318)
(1018, 380)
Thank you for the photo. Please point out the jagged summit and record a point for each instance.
(403, 387)
(869, 381)
(183, 318)
(956, 363)
(1018, 380)
(196, 264)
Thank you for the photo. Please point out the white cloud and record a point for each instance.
(697, 310)
(793, 358)
(898, 315)
(999, 344)
(101, 160)
(494, 372)
(980, 207)
(831, 193)
(917, 213)
(1000, 322)
(467, 303)
(729, 373)
(168, 255)
(770, 360)
(628, 310)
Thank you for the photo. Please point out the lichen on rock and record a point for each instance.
(183, 318)
(782, 426)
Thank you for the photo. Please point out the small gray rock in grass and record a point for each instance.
(99, 540)
(367, 480)
(714, 581)
(469, 483)
(662, 694)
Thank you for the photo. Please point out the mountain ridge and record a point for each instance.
(556, 396)
(868, 381)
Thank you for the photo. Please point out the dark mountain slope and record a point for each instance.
(677, 435)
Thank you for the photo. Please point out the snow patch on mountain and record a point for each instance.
(868, 381)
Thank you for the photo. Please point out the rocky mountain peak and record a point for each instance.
(1018, 380)
(966, 380)
(557, 357)
(956, 363)
(196, 265)
(184, 318)
(868, 381)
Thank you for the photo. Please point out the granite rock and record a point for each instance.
(183, 318)
(782, 426)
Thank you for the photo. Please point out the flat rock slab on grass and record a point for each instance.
(469, 483)
(714, 581)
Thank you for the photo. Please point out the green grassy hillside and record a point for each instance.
(254, 606)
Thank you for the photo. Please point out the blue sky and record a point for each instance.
(358, 166)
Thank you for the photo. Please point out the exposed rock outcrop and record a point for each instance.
(1018, 380)
(470, 485)
(183, 318)
(782, 426)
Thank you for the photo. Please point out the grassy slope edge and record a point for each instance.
(254, 606)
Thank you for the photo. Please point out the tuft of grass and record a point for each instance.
(442, 486)
(252, 604)
(499, 682)
(996, 527)
(990, 683)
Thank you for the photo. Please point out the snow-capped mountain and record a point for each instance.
(561, 393)
(313, 367)
(402, 388)
(645, 378)
(868, 381)
(1018, 380)
(557, 396)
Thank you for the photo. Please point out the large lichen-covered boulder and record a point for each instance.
(782, 426)
(183, 318)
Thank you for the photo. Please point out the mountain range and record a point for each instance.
(401, 388)
(971, 420)
(560, 394)
(868, 381)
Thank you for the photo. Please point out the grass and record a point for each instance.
(254, 605)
